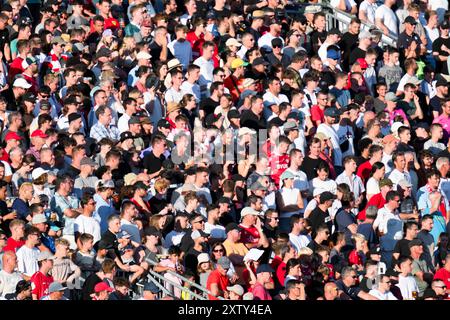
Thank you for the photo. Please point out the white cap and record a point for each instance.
(245, 130)
(236, 289)
(21, 83)
(37, 173)
(249, 211)
(232, 42)
(395, 126)
(143, 55)
(203, 257)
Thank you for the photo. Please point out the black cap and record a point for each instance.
(392, 273)
(375, 250)
(410, 20)
(29, 96)
(211, 119)
(134, 120)
(70, 100)
(224, 200)
(276, 42)
(73, 116)
(103, 245)
(445, 25)
(264, 268)
(233, 114)
(103, 52)
(125, 135)
(422, 125)
(259, 61)
(232, 226)
(163, 123)
(326, 196)
(441, 82)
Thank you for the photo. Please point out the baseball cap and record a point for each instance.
(388, 139)
(233, 42)
(202, 257)
(445, 24)
(150, 286)
(404, 183)
(410, 20)
(287, 175)
(258, 14)
(86, 161)
(249, 211)
(55, 287)
(28, 62)
(38, 172)
(385, 182)
(102, 286)
(152, 231)
(39, 134)
(395, 126)
(236, 289)
(259, 61)
(248, 82)
(390, 96)
(103, 52)
(232, 226)
(44, 255)
(258, 186)
(333, 54)
(105, 184)
(264, 268)
(441, 82)
(163, 123)
(126, 135)
(197, 234)
(422, 125)
(21, 83)
(143, 55)
(290, 125)
(332, 112)
(362, 63)
(58, 40)
(375, 250)
(134, 120)
(236, 63)
(224, 262)
(39, 218)
(11, 135)
(326, 196)
(73, 116)
(233, 114)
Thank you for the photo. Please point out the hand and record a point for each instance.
(444, 47)
(413, 45)
(416, 98)
(258, 223)
(10, 216)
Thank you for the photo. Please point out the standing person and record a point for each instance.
(327, 128)
(386, 20)
(349, 177)
(85, 222)
(320, 214)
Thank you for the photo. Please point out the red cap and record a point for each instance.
(102, 286)
(362, 63)
(39, 133)
(12, 135)
(112, 23)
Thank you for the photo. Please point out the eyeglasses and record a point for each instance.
(218, 250)
(201, 221)
(277, 46)
(45, 96)
(443, 287)
(355, 277)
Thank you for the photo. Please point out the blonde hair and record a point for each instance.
(24, 186)
(161, 184)
(358, 236)
(305, 251)
(62, 241)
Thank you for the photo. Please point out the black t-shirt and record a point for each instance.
(404, 41)
(225, 13)
(441, 66)
(315, 36)
(348, 42)
(112, 243)
(89, 285)
(318, 217)
(251, 120)
(309, 166)
(152, 163)
(402, 247)
(155, 52)
(190, 260)
(208, 105)
(436, 104)
(356, 54)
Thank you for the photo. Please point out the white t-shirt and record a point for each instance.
(381, 222)
(206, 70)
(331, 132)
(122, 124)
(404, 80)
(327, 185)
(396, 176)
(215, 231)
(132, 229)
(407, 285)
(173, 95)
(348, 4)
(266, 41)
(194, 89)
(370, 9)
(27, 260)
(299, 241)
(389, 19)
(89, 225)
(8, 282)
(290, 197)
(373, 186)
(382, 296)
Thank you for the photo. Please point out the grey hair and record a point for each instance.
(372, 212)
(441, 161)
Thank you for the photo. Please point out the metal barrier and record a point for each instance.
(340, 19)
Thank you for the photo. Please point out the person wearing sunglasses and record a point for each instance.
(381, 288)
(347, 284)
(440, 289)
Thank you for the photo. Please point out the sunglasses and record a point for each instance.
(199, 221)
(355, 277)
(218, 250)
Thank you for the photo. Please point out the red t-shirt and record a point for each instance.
(15, 67)
(41, 283)
(364, 171)
(354, 258)
(376, 200)
(317, 114)
(196, 43)
(235, 86)
(249, 234)
(444, 275)
(278, 164)
(221, 281)
(281, 273)
(13, 245)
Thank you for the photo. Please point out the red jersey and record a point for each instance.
(4, 156)
(281, 273)
(13, 245)
(444, 275)
(317, 114)
(278, 164)
(376, 200)
(249, 234)
(41, 283)
(235, 86)
(15, 68)
(217, 278)
(196, 43)
(364, 171)
(354, 258)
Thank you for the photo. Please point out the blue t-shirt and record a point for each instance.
(22, 208)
